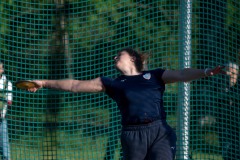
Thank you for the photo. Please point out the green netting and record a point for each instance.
(58, 39)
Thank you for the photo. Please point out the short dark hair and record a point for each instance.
(138, 58)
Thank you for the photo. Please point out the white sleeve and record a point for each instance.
(9, 91)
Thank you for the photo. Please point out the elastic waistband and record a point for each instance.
(143, 126)
(142, 121)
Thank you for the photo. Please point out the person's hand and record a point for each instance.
(214, 71)
(38, 85)
(9, 102)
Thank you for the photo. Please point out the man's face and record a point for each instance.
(231, 71)
(1, 69)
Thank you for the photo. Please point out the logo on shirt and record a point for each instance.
(147, 76)
(123, 80)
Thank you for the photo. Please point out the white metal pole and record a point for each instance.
(185, 50)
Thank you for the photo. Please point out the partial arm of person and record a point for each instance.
(9, 98)
(189, 74)
(9, 93)
(70, 85)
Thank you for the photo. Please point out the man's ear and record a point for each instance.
(133, 59)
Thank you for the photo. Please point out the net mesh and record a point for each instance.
(60, 39)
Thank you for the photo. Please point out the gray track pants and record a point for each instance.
(4, 141)
(153, 141)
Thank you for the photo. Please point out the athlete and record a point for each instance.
(139, 96)
(228, 121)
(6, 97)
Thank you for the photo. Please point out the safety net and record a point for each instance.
(78, 39)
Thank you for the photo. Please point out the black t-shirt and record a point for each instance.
(138, 97)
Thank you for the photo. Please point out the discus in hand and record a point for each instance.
(25, 84)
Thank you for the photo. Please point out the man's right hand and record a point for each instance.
(38, 85)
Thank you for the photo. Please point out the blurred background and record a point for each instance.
(60, 39)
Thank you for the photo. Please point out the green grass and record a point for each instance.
(29, 153)
(87, 150)
(206, 156)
